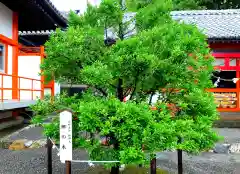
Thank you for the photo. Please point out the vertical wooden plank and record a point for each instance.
(32, 89)
(66, 139)
(238, 82)
(68, 167)
(19, 88)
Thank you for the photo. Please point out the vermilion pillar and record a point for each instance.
(15, 57)
(42, 77)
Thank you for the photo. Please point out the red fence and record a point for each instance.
(19, 89)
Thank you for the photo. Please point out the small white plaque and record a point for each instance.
(66, 136)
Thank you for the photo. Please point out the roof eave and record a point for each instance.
(50, 4)
(224, 39)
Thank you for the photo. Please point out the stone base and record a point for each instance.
(4, 144)
(18, 145)
(227, 124)
(12, 122)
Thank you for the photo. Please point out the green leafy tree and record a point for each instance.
(220, 4)
(163, 57)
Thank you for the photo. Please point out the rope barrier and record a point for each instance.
(82, 161)
(90, 163)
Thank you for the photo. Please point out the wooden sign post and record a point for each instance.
(66, 139)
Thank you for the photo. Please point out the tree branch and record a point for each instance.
(113, 86)
(102, 91)
(124, 34)
(167, 99)
(135, 85)
(127, 92)
(134, 89)
(120, 90)
(151, 96)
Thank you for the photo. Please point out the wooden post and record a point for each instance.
(49, 154)
(153, 164)
(180, 165)
(68, 167)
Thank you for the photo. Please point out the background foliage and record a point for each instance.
(192, 4)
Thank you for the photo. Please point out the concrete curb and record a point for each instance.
(19, 131)
(5, 142)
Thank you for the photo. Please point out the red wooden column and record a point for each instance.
(227, 63)
(53, 89)
(238, 82)
(42, 77)
(15, 56)
(6, 59)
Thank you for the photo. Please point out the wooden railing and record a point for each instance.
(19, 89)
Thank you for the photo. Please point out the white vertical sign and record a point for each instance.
(66, 136)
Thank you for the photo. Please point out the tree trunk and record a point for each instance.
(115, 169)
(120, 90)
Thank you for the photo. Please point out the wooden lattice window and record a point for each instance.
(227, 89)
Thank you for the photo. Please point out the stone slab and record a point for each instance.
(14, 104)
(11, 123)
(18, 145)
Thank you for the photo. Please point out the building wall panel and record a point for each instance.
(6, 16)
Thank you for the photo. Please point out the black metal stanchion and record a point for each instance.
(68, 167)
(49, 154)
(180, 164)
(153, 165)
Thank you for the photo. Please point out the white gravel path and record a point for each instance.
(34, 161)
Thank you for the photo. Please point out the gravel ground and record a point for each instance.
(31, 133)
(230, 135)
(206, 163)
(34, 161)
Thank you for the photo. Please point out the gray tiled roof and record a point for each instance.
(219, 24)
(35, 33)
(216, 24)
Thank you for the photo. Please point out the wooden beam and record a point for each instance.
(7, 40)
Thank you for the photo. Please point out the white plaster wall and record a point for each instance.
(7, 80)
(29, 66)
(7, 83)
(47, 91)
(57, 88)
(221, 62)
(5, 21)
(10, 58)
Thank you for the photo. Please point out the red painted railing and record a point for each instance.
(19, 89)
